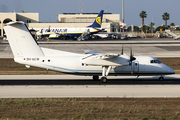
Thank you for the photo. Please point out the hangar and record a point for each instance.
(112, 21)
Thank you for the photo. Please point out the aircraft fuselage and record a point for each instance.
(143, 65)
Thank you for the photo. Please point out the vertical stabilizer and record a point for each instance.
(21, 41)
(98, 21)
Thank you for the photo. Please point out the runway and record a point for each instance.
(55, 86)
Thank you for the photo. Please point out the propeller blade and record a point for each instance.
(132, 58)
(122, 52)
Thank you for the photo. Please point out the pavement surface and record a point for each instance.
(53, 86)
(32, 86)
(156, 47)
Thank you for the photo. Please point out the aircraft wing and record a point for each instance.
(53, 35)
(94, 58)
(101, 55)
(57, 35)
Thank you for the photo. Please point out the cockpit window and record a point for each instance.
(155, 61)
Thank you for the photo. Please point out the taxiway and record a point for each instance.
(146, 47)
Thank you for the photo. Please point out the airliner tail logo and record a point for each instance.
(98, 20)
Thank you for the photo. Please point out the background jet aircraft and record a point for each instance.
(81, 33)
(27, 51)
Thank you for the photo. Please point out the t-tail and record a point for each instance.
(98, 21)
(21, 41)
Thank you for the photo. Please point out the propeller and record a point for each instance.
(132, 58)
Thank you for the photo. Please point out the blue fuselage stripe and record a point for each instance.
(70, 34)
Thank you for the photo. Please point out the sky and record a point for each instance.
(49, 9)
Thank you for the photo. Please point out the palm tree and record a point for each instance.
(178, 28)
(143, 15)
(166, 17)
(152, 24)
(172, 25)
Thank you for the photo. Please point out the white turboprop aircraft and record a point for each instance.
(175, 37)
(27, 51)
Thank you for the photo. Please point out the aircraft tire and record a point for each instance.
(161, 78)
(95, 77)
(103, 79)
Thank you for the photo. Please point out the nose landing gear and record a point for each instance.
(161, 78)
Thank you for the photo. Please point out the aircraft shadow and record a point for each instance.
(135, 81)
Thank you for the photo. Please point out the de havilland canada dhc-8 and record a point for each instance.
(27, 51)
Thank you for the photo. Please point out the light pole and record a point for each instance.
(123, 15)
(153, 19)
(152, 25)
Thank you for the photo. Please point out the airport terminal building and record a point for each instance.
(25, 17)
(112, 21)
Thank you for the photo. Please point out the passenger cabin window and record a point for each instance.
(155, 61)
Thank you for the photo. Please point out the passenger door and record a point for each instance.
(135, 67)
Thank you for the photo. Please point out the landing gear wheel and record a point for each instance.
(161, 78)
(95, 77)
(103, 79)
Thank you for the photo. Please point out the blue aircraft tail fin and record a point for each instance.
(98, 21)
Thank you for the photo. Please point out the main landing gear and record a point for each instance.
(104, 79)
(105, 72)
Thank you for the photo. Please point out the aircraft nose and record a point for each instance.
(167, 69)
(171, 71)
